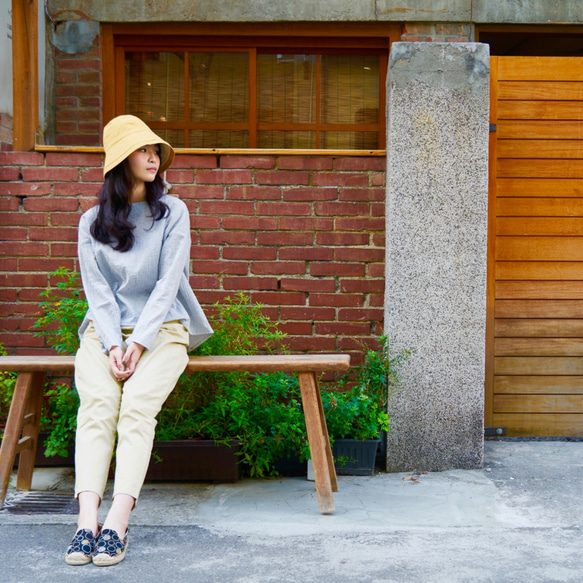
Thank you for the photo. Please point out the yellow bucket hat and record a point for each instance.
(125, 134)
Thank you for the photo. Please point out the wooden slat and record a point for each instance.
(540, 290)
(538, 328)
(545, 385)
(535, 149)
(538, 403)
(250, 363)
(539, 129)
(544, 207)
(539, 308)
(541, 90)
(544, 110)
(559, 226)
(540, 424)
(538, 69)
(507, 168)
(537, 270)
(538, 347)
(539, 187)
(539, 249)
(538, 365)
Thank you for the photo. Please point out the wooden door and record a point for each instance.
(534, 361)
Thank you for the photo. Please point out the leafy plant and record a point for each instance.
(7, 384)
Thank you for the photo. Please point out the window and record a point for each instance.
(220, 92)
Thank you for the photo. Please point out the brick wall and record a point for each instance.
(304, 236)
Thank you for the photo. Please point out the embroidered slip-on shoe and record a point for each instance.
(81, 549)
(110, 549)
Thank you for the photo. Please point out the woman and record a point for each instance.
(134, 251)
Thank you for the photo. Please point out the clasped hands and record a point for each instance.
(123, 364)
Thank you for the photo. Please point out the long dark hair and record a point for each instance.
(111, 225)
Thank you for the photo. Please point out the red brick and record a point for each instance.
(347, 269)
(378, 210)
(92, 175)
(77, 140)
(278, 267)
(87, 203)
(8, 295)
(78, 114)
(311, 344)
(250, 223)
(13, 233)
(282, 178)
(205, 222)
(305, 224)
(63, 249)
(89, 77)
(340, 179)
(264, 162)
(24, 249)
(361, 224)
(45, 265)
(353, 314)
(75, 63)
(180, 176)
(9, 204)
(254, 192)
(67, 77)
(362, 285)
(20, 280)
(308, 285)
(198, 252)
(305, 163)
(208, 298)
(224, 177)
(359, 254)
(53, 174)
(21, 159)
(357, 163)
(256, 253)
(357, 345)
(51, 204)
(258, 283)
(307, 313)
(378, 179)
(295, 328)
(310, 194)
(25, 189)
(21, 340)
(52, 234)
(73, 159)
(198, 192)
(9, 173)
(376, 300)
(88, 102)
(336, 209)
(285, 238)
(228, 238)
(65, 219)
(283, 208)
(190, 161)
(311, 254)
(362, 194)
(233, 267)
(10, 264)
(22, 219)
(345, 239)
(22, 309)
(337, 300)
(198, 282)
(375, 270)
(343, 328)
(76, 189)
(278, 298)
(226, 207)
(67, 127)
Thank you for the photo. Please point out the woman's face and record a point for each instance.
(144, 163)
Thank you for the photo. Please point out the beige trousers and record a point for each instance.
(127, 409)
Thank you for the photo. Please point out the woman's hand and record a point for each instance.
(123, 365)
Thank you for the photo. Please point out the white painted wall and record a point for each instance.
(6, 57)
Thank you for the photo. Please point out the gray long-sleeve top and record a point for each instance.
(144, 287)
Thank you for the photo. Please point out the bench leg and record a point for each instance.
(322, 461)
(23, 418)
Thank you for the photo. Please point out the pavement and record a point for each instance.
(518, 519)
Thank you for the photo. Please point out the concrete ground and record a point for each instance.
(519, 519)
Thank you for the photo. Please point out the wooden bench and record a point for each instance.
(22, 426)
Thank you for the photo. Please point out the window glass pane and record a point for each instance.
(219, 87)
(286, 88)
(173, 137)
(296, 140)
(218, 139)
(350, 88)
(155, 86)
(349, 140)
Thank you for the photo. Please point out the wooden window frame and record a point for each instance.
(312, 38)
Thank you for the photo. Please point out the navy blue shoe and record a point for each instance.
(110, 549)
(81, 549)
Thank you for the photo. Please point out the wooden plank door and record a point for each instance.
(534, 360)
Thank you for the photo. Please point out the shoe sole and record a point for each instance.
(103, 560)
(77, 559)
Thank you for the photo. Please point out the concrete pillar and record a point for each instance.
(437, 198)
